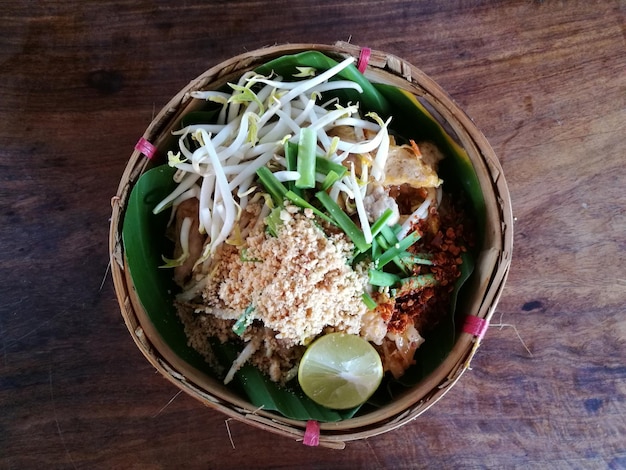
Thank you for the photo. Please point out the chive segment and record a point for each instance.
(409, 284)
(397, 249)
(301, 202)
(381, 222)
(275, 188)
(330, 179)
(343, 221)
(305, 164)
(410, 260)
(273, 221)
(368, 301)
(243, 321)
(382, 279)
(291, 160)
(325, 166)
(387, 232)
(291, 156)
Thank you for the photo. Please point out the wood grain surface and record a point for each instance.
(544, 80)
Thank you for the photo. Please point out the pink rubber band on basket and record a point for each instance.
(475, 326)
(146, 148)
(364, 58)
(312, 433)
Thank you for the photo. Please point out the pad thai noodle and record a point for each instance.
(296, 215)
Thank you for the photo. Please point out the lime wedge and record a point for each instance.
(340, 371)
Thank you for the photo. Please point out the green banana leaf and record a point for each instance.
(370, 99)
(143, 236)
(145, 243)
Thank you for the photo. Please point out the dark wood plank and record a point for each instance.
(545, 81)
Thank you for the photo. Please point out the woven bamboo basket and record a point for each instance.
(486, 282)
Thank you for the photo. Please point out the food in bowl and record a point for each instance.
(299, 211)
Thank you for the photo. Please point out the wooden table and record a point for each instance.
(546, 83)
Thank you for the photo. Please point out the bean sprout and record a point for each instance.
(255, 121)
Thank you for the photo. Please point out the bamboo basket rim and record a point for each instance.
(385, 68)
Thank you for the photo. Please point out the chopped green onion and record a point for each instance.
(330, 179)
(357, 258)
(243, 321)
(325, 166)
(388, 256)
(276, 189)
(382, 242)
(409, 284)
(381, 222)
(306, 158)
(409, 240)
(291, 155)
(397, 249)
(382, 279)
(383, 245)
(273, 221)
(291, 159)
(376, 249)
(396, 228)
(343, 221)
(410, 260)
(301, 202)
(390, 237)
(368, 301)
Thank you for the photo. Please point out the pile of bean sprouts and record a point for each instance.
(217, 163)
